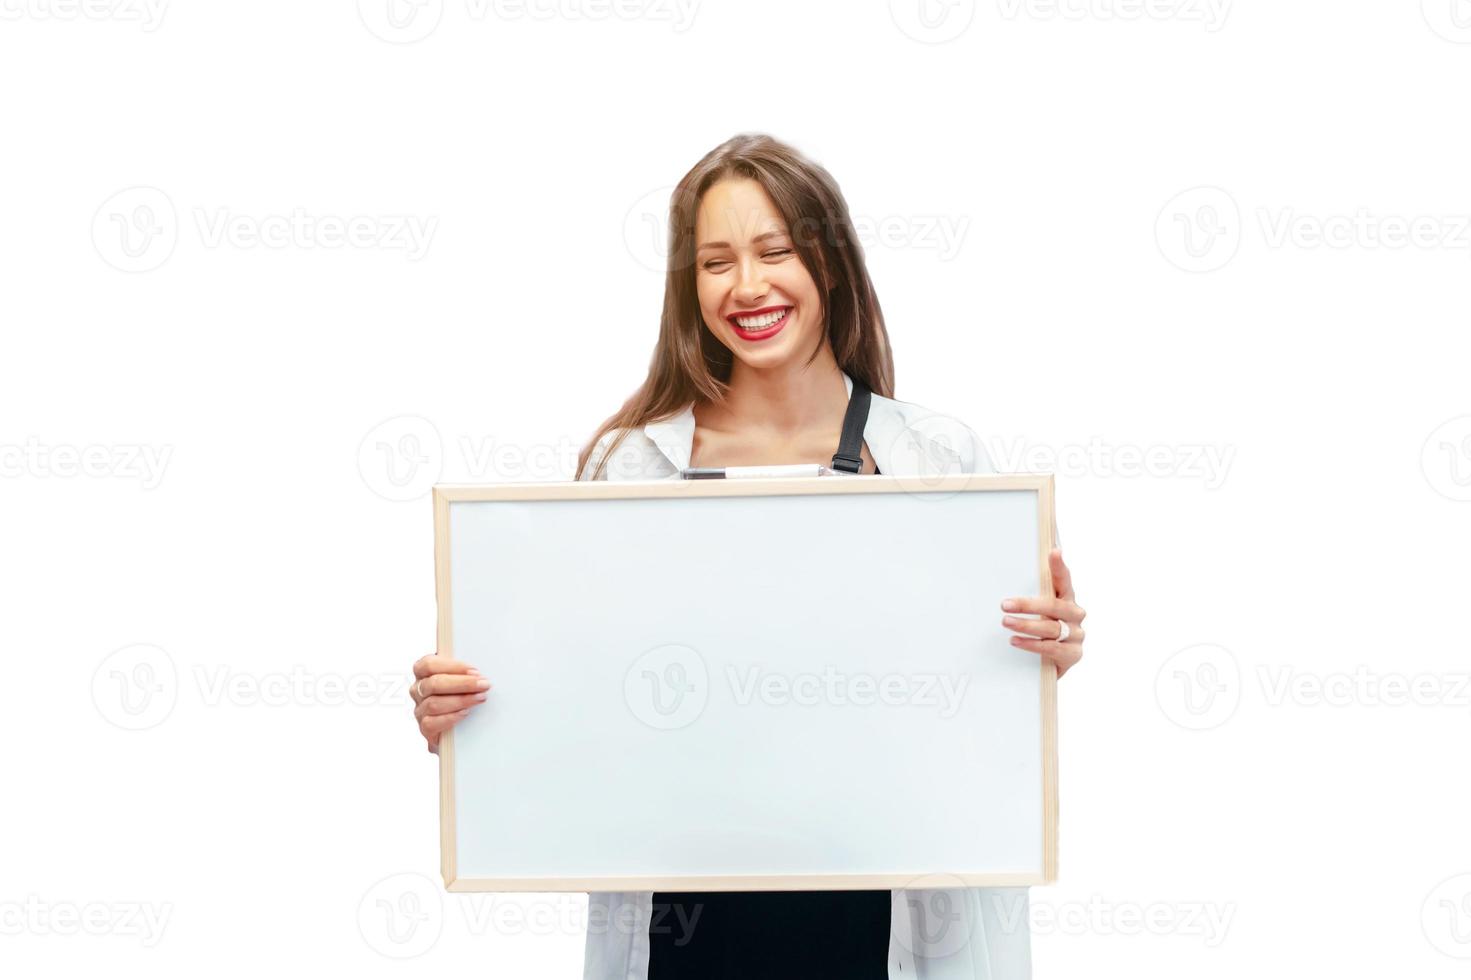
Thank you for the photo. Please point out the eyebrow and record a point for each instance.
(770, 234)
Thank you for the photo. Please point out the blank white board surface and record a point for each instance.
(746, 684)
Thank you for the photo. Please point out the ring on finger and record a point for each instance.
(419, 691)
(1063, 630)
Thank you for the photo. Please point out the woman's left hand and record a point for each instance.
(1040, 635)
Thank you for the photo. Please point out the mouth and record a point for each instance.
(760, 324)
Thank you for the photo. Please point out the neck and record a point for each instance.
(786, 399)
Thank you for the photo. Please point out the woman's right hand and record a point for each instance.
(444, 691)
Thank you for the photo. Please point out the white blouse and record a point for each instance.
(936, 933)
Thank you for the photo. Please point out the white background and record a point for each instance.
(301, 398)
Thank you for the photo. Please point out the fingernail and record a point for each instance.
(1008, 620)
(1016, 641)
(480, 697)
(482, 684)
(473, 671)
(1009, 605)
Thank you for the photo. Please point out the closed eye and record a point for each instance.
(774, 253)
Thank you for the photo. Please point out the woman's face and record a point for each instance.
(755, 294)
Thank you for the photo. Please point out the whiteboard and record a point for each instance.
(746, 684)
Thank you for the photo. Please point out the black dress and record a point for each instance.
(770, 935)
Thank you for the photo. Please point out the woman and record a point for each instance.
(769, 317)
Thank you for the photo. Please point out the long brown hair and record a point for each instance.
(690, 364)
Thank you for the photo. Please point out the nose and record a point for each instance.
(750, 281)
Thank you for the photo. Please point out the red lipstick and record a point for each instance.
(763, 332)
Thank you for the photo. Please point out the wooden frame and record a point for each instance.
(445, 496)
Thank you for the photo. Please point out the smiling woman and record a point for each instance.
(766, 300)
(770, 325)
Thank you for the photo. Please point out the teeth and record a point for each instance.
(756, 322)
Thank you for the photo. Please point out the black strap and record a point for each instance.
(849, 457)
